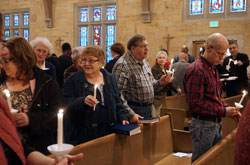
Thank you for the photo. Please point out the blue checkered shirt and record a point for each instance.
(135, 81)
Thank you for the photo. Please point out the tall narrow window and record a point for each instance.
(16, 23)
(196, 7)
(96, 25)
(216, 6)
(238, 5)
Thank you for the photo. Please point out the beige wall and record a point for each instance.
(166, 18)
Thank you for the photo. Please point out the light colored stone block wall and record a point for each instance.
(166, 18)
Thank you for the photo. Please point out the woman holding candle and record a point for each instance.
(14, 152)
(36, 95)
(158, 70)
(89, 123)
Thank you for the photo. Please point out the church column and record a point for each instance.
(146, 15)
(48, 12)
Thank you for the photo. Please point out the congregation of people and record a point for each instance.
(95, 95)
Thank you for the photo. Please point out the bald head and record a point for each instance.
(184, 49)
(215, 48)
(217, 40)
(183, 56)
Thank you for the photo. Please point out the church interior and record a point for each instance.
(167, 24)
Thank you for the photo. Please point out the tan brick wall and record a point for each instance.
(166, 18)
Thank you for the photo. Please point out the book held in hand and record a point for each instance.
(128, 129)
(147, 120)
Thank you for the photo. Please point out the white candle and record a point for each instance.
(171, 64)
(242, 98)
(173, 73)
(229, 62)
(7, 93)
(60, 129)
(95, 87)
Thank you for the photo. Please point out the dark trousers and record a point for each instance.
(144, 111)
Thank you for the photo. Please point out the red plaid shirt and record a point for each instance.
(203, 89)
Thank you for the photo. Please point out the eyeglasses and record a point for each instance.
(144, 46)
(91, 61)
(5, 61)
(219, 53)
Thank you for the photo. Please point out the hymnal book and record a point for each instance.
(147, 120)
(128, 129)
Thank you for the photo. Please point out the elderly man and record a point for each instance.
(179, 70)
(202, 88)
(237, 66)
(184, 49)
(135, 80)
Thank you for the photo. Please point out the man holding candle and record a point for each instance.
(238, 67)
(202, 88)
(135, 79)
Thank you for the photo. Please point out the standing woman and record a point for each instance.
(91, 117)
(43, 49)
(35, 94)
(158, 70)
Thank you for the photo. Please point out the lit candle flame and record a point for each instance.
(244, 94)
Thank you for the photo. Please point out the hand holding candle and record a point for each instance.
(171, 64)
(95, 88)
(173, 73)
(242, 98)
(7, 93)
(60, 128)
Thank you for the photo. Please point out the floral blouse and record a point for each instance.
(20, 100)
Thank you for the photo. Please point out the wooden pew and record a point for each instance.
(178, 102)
(178, 116)
(221, 153)
(151, 146)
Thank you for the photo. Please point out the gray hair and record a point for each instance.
(44, 41)
(135, 40)
(76, 53)
(161, 52)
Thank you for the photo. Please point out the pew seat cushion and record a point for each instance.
(173, 160)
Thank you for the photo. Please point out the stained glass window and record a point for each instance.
(84, 36)
(16, 20)
(26, 34)
(6, 20)
(196, 7)
(97, 14)
(111, 13)
(6, 34)
(16, 32)
(110, 39)
(238, 5)
(216, 6)
(97, 35)
(84, 15)
(26, 19)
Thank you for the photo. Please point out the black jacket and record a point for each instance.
(47, 99)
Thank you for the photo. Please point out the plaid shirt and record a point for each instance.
(135, 81)
(202, 88)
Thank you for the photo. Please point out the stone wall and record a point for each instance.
(166, 18)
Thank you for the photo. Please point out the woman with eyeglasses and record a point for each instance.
(43, 49)
(92, 111)
(33, 93)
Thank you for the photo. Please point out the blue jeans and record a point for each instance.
(205, 134)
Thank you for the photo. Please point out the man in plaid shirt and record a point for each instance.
(203, 94)
(135, 79)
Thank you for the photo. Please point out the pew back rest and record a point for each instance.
(178, 116)
(153, 144)
(221, 153)
(175, 102)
